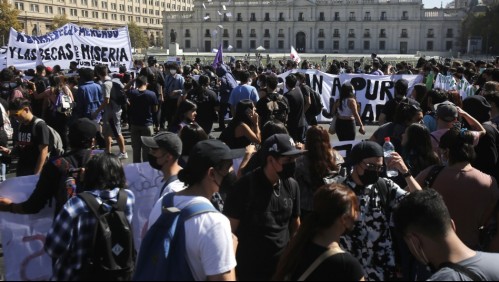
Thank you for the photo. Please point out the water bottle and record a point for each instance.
(388, 149)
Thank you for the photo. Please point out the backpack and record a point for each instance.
(316, 104)
(118, 95)
(55, 141)
(278, 107)
(63, 103)
(162, 255)
(112, 254)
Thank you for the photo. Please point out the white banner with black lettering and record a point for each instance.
(69, 43)
(372, 91)
(23, 236)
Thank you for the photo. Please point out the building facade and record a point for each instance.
(317, 26)
(36, 16)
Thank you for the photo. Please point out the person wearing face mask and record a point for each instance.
(165, 149)
(264, 209)
(400, 95)
(430, 234)
(209, 243)
(471, 195)
(336, 208)
(371, 238)
(174, 84)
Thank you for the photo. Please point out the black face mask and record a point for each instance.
(288, 170)
(370, 177)
(153, 162)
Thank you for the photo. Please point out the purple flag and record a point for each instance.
(219, 59)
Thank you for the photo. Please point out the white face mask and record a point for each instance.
(172, 71)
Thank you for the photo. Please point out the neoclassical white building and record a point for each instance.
(316, 26)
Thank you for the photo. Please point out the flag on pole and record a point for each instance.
(204, 6)
(294, 55)
(206, 18)
(223, 6)
(230, 48)
(219, 13)
(219, 60)
(229, 14)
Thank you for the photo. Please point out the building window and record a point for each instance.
(84, 2)
(351, 45)
(266, 44)
(367, 17)
(405, 15)
(239, 17)
(252, 33)
(130, 9)
(336, 16)
(267, 17)
(144, 20)
(20, 6)
(187, 44)
(404, 33)
(336, 45)
(34, 8)
(336, 33)
(367, 45)
(187, 33)
(113, 6)
(144, 11)
(321, 17)
(367, 33)
(383, 16)
(104, 16)
(352, 16)
(84, 13)
(267, 33)
(225, 44)
(351, 33)
(281, 17)
(239, 44)
(382, 45)
(382, 33)
(239, 33)
(226, 33)
(207, 33)
(253, 17)
(73, 12)
(280, 44)
(320, 46)
(300, 17)
(137, 19)
(122, 18)
(95, 14)
(430, 33)
(62, 11)
(114, 17)
(448, 45)
(151, 12)
(429, 46)
(252, 44)
(321, 33)
(450, 33)
(281, 33)
(104, 4)
(95, 3)
(49, 9)
(226, 19)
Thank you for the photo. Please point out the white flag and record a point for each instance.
(204, 6)
(224, 7)
(214, 33)
(229, 14)
(230, 48)
(206, 18)
(219, 13)
(294, 55)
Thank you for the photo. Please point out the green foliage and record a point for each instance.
(8, 19)
(484, 26)
(137, 37)
(59, 21)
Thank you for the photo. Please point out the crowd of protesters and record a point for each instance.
(296, 208)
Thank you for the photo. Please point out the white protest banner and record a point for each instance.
(372, 91)
(449, 82)
(70, 43)
(23, 236)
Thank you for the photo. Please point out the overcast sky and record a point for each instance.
(429, 4)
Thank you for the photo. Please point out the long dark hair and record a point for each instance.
(460, 145)
(184, 107)
(104, 172)
(330, 203)
(346, 92)
(319, 153)
(419, 152)
(241, 116)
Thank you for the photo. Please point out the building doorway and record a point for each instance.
(301, 42)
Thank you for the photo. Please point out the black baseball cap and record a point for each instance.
(280, 145)
(83, 129)
(446, 111)
(210, 153)
(165, 140)
(365, 150)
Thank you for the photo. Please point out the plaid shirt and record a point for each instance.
(70, 237)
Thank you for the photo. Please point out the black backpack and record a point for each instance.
(112, 254)
(316, 104)
(118, 95)
(278, 107)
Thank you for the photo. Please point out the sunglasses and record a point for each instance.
(374, 167)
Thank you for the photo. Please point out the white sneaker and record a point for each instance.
(122, 156)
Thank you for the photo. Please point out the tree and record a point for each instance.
(59, 21)
(8, 19)
(137, 36)
(484, 26)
